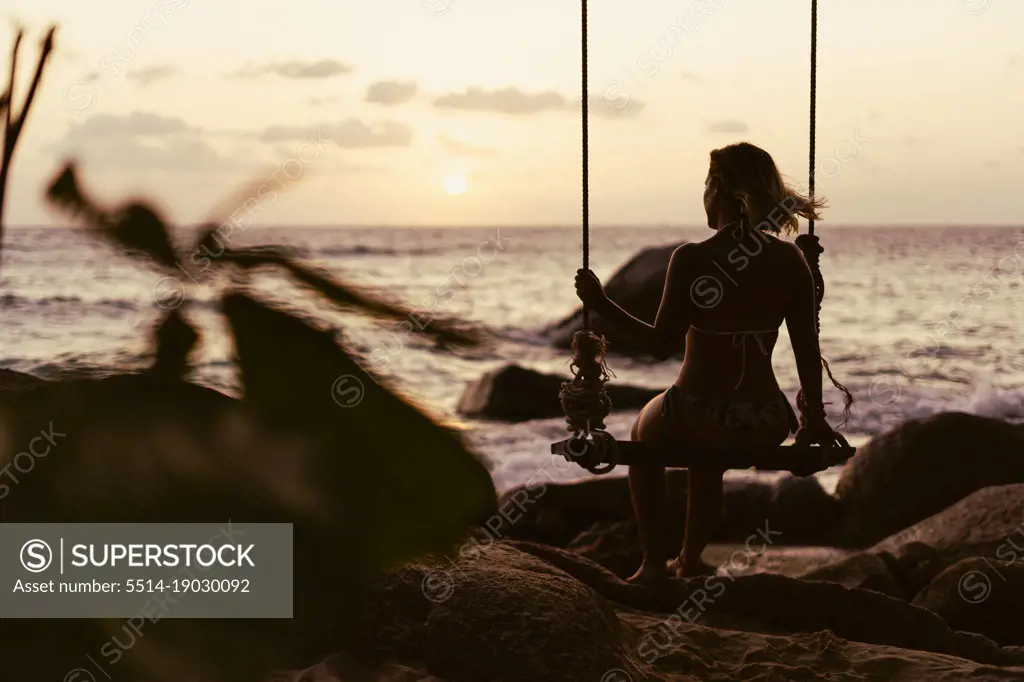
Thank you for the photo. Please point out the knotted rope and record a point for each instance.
(584, 399)
(809, 243)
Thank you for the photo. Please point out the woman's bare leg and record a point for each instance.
(703, 512)
(647, 487)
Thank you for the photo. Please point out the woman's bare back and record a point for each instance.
(736, 283)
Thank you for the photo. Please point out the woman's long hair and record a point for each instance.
(747, 175)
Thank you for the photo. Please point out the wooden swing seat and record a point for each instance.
(603, 453)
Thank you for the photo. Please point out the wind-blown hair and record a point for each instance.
(747, 174)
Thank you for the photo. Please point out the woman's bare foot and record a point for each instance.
(648, 573)
(677, 569)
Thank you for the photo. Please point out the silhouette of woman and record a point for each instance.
(725, 298)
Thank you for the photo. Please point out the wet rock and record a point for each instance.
(637, 287)
(12, 380)
(499, 614)
(863, 571)
(980, 595)
(923, 466)
(988, 523)
(513, 393)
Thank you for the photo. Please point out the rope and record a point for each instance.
(809, 243)
(814, 93)
(584, 399)
(586, 163)
(585, 402)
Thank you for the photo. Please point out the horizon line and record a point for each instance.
(560, 226)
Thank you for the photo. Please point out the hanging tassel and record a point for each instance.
(584, 399)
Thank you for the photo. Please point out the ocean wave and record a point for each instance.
(943, 352)
(362, 250)
(15, 302)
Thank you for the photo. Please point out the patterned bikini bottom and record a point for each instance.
(738, 418)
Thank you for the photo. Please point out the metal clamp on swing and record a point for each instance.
(596, 451)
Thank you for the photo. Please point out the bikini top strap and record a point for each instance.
(739, 338)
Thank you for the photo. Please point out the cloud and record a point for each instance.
(142, 141)
(352, 133)
(151, 74)
(510, 101)
(390, 93)
(728, 125)
(514, 102)
(459, 148)
(321, 101)
(137, 123)
(296, 70)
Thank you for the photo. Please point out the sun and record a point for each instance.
(455, 184)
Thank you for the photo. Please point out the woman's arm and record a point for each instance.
(667, 335)
(803, 335)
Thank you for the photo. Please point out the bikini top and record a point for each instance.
(739, 340)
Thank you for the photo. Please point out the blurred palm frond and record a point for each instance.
(348, 296)
(135, 226)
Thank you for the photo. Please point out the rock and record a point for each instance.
(637, 286)
(915, 566)
(595, 516)
(863, 571)
(980, 595)
(513, 393)
(616, 546)
(775, 604)
(986, 523)
(796, 507)
(498, 614)
(923, 466)
(359, 493)
(555, 513)
(13, 380)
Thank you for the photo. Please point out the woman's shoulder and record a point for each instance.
(783, 247)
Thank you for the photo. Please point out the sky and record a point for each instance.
(467, 112)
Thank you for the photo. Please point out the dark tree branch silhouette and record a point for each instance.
(14, 124)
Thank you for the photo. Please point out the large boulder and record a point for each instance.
(513, 393)
(985, 523)
(980, 595)
(637, 286)
(359, 494)
(864, 571)
(498, 613)
(798, 508)
(13, 380)
(923, 466)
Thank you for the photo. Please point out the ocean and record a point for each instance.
(916, 320)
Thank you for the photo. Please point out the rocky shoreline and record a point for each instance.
(809, 586)
(913, 570)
